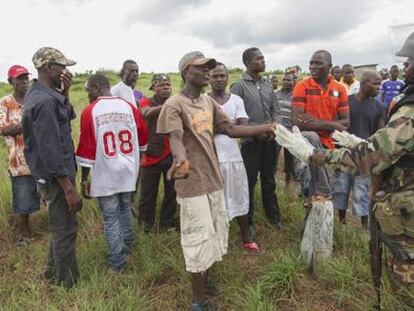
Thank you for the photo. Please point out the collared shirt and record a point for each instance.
(11, 114)
(352, 88)
(48, 143)
(285, 107)
(149, 158)
(323, 105)
(259, 99)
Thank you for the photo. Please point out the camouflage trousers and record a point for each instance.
(401, 276)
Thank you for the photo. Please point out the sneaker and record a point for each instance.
(147, 228)
(22, 242)
(205, 306)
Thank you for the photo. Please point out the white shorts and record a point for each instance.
(236, 188)
(204, 230)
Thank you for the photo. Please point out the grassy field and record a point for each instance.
(156, 279)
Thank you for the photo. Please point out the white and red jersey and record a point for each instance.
(113, 133)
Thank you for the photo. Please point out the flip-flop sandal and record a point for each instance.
(251, 248)
(23, 242)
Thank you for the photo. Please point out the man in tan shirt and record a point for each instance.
(191, 120)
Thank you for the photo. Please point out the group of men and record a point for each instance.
(188, 138)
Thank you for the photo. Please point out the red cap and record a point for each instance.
(16, 71)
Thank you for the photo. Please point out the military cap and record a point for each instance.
(195, 58)
(158, 77)
(48, 55)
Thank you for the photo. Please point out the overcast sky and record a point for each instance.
(156, 33)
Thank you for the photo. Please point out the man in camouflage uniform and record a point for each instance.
(389, 152)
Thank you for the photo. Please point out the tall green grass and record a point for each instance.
(156, 277)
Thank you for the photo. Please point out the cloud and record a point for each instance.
(288, 23)
(77, 2)
(161, 12)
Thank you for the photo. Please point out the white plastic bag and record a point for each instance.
(317, 239)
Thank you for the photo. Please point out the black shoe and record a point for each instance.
(205, 306)
(48, 277)
(147, 227)
(278, 226)
(172, 227)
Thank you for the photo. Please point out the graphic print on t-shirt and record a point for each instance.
(202, 121)
(109, 144)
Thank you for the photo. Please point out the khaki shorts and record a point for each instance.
(204, 230)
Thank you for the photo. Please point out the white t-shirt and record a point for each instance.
(112, 134)
(228, 148)
(353, 88)
(124, 91)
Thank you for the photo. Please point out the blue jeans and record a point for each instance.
(344, 183)
(118, 227)
(25, 197)
(314, 179)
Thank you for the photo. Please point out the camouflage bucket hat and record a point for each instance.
(158, 77)
(48, 55)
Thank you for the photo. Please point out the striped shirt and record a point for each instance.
(285, 111)
(321, 104)
(260, 101)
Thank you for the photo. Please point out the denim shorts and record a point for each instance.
(25, 197)
(343, 184)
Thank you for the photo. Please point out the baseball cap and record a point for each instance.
(16, 71)
(158, 77)
(407, 49)
(195, 58)
(47, 55)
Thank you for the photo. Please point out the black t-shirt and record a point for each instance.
(364, 116)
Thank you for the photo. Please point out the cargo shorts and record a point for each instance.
(204, 230)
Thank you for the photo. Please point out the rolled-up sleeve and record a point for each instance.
(169, 120)
(381, 151)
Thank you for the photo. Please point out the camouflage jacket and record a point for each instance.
(382, 152)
